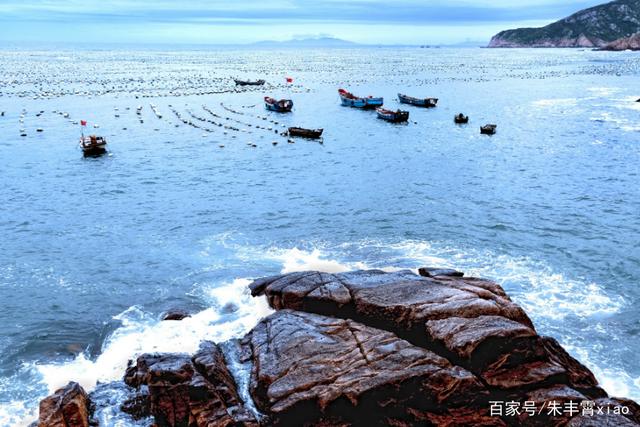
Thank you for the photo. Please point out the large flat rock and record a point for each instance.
(310, 369)
(470, 321)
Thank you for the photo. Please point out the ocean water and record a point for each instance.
(94, 250)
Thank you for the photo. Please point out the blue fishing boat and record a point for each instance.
(398, 116)
(282, 106)
(350, 100)
(419, 102)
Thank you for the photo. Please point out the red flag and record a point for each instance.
(83, 122)
(289, 79)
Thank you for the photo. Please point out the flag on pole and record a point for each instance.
(289, 79)
(83, 122)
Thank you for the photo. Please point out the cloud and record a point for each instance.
(320, 15)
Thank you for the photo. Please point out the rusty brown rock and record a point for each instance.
(309, 368)
(67, 407)
(186, 391)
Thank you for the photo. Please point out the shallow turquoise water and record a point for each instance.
(94, 250)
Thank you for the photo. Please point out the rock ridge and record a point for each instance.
(369, 348)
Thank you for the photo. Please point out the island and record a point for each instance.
(593, 27)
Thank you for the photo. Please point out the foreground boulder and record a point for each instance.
(369, 348)
(67, 407)
(186, 391)
(299, 360)
(470, 321)
(314, 369)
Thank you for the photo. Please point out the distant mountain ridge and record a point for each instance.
(308, 42)
(593, 27)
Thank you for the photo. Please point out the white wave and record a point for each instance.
(141, 333)
(615, 381)
(558, 102)
(301, 260)
(543, 292)
(603, 91)
(18, 414)
(233, 313)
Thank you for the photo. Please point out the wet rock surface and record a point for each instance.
(176, 314)
(369, 348)
(308, 367)
(470, 322)
(67, 407)
(180, 390)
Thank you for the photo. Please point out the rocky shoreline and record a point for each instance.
(368, 348)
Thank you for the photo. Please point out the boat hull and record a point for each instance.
(306, 133)
(349, 100)
(461, 120)
(488, 129)
(249, 83)
(393, 116)
(282, 106)
(418, 102)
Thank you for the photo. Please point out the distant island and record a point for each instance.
(307, 42)
(597, 26)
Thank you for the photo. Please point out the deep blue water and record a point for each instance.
(94, 250)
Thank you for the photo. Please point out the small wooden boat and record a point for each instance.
(488, 129)
(460, 119)
(419, 102)
(93, 145)
(397, 116)
(282, 106)
(249, 82)
(306, 133)
(350, 100)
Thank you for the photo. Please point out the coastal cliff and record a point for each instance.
(369, 348)
(626, 43)
(593, 27)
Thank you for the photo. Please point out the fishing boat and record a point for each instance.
(249, 82)
(397, 116)
(419, 102)
(350, 100)
(460, 119)
(488, 129)
(305, 133)
(93, 145)
(282, 106)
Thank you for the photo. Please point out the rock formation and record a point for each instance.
(67, 407)
(593, 27)
(184, 391)
(625, 43)
(372, 348)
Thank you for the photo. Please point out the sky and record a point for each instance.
(248, 21)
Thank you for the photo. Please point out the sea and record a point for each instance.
(200, 193)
